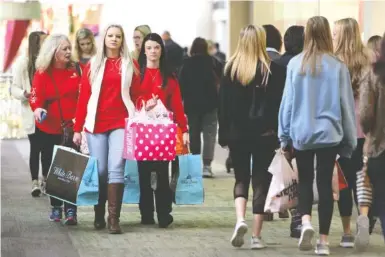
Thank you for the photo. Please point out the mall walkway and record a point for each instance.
(202, 231)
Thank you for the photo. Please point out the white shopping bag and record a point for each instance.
(282, 193)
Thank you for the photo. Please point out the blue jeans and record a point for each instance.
(107, 148)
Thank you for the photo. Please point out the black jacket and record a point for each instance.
(247, 112)
(174, 55)
(285, 59)
(198, 81)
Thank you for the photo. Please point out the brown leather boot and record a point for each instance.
(115, 197)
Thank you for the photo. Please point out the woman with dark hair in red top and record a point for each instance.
(55, 88)
(157, 83)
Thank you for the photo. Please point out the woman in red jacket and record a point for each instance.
(157, 82)
(56, 79)
(104, 104)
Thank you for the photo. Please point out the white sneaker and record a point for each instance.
(257, 243)
(307, 234)
(237, 239)
(322, 249)
(362, 236)
(35, 188)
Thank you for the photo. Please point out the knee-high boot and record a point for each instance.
(115, 197)
(100, 208)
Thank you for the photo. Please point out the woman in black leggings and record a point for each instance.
(248, 112)
(316, 118)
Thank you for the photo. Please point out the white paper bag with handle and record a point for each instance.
(282, 193)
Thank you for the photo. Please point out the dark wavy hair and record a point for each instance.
(379, 65)
(273, 37)
(199, 46)
(293, 39)
(33, 51)
(165, 71)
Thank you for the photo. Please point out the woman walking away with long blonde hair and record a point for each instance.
(348, 47)
(250, 94)
(317, 118)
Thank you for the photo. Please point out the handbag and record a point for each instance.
(66, 126)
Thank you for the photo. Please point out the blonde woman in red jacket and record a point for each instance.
(103, 106)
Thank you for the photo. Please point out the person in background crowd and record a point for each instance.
(55, 88)
(24, 70)
(174, 52)
(273, 42)
(293, 40)
(85, 46)
(317, 118)
(157, 82)
(374, 44)
(348, 47)
(273, 48)
(372, 108)
(250, 93)
(221, 56)
(140, 32)
(103, 106)
(186, 54)
(199, 82)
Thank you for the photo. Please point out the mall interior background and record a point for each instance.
(218, 20)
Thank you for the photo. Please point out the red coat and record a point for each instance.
(169, 95)
(44, 96)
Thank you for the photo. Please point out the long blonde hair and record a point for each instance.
(98, 60)
(250, 51)
(81, 34)
(48, 51)
(350, 49)
(318, 41)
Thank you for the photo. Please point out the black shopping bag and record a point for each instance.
(65, 174)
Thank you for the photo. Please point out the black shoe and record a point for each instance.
(147, 221)
(165, 221)
(268, 217)
(296, 233)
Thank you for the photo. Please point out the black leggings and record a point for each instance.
(262, 153)
(325, 165)
(41, 142)
(350, 166)
(163, 194)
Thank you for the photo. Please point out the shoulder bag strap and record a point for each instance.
(57, 95)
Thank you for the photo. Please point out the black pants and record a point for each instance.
(262, 153)
(40, 144)
(376, 173)
(163, 194)
(205, 123)
(349, 167)
(326, 158)
(48, 141)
